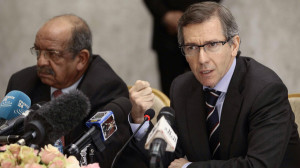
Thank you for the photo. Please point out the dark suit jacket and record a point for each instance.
(257, 127)
(100, 84)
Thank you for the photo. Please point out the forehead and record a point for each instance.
(208, 30)
(54, 34)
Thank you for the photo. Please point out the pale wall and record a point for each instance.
(122, 35)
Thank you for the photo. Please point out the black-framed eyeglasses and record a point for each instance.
(209, 48)
(48, 54)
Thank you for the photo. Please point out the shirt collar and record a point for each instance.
(223, 84)
(66, 90)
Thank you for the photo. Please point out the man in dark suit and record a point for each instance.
(63, 47)
(166, 14)
(249, 124)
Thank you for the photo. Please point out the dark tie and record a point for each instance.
(212, 121)
(60, 143)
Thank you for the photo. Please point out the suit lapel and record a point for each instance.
(231, 110)
(40, 92)
(197, 127)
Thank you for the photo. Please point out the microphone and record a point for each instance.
(13, 105)
(9, 139)
(16, 125)
(102, 125)
(149, 114)
(55, 118)
(162, 137)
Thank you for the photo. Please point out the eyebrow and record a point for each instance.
(206, 42)
(47, 49)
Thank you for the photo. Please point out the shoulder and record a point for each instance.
(23, 78)
(185, 78)
(101, 68)
(101, 83)
(258, 84)
(100, 71)
(25, 73)
(184, 84)
(256, 69)
(255, 74)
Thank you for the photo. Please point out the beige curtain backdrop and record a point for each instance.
(122, 35)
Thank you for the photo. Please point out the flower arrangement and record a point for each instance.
(16, 156)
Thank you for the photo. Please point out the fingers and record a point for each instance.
(139, 85)
(178, 163)
(141, 98)
(141, 92)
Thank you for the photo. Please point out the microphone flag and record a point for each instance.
(104, 120)
(162, 130)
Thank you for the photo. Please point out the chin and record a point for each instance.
(210, 84)
(46, 81)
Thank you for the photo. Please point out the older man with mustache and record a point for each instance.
(63, 49)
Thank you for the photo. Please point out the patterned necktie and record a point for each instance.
(212, 121)
(60, 143)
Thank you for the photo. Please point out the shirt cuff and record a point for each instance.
(186, 165)
(143, 130)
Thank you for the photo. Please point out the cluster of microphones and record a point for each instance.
(45, 122)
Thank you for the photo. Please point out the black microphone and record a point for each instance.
(162, 137)
(55, 119)
(16, 125)
(9, 139)
(102, 125)
(149, 114)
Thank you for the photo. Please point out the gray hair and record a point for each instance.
(201, 12)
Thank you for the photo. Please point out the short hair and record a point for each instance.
(81, 35)
(201, 12)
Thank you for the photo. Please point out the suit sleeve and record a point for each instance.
(270, 126)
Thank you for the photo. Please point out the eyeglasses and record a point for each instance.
(209, 48)
(48, 54)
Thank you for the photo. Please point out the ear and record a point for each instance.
(83, 59)
(235, 45)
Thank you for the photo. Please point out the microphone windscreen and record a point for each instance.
(150, 112)
(14, 104)
(16, 126)
(120, 107)
(61, 115)
(168, 113)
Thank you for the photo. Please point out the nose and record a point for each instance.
(42, 60)
(203, 57)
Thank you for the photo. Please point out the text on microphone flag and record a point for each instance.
(164, 131)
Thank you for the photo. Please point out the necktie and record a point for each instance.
(212, 121)
(60, 143)
(56, 93)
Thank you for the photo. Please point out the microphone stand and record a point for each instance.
(157, 151)
(154, 161)
(146, 118)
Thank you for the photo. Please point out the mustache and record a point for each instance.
(45, 70)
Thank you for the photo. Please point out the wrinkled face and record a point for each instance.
(60, 70)
(209, 67)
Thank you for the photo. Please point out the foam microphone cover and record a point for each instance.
(14, 104)
(61, 115)
(150, 112)
(169, 115)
